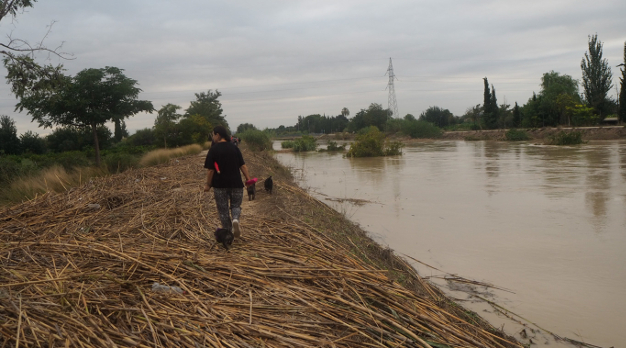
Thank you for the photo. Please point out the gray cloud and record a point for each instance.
(275, 60)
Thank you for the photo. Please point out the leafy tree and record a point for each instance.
(375, 116)
(597, 76)
(558, 92)
(9, 142)
(143, 137)
(622, 90)
(208, 106)
(87, 100)
(72, 138)
(165, 122)
(245, 126)
(194, 129)
(438, 116)
(474, 113)
(32, 143)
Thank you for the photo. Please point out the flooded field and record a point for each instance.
(546, 225)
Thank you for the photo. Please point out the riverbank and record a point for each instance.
(78, 268)
(542, 134)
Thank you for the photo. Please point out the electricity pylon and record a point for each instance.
(392, 104)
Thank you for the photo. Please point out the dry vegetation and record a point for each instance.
(76, 269)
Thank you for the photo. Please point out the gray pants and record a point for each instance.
(222, 198)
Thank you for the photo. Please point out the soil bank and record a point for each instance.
(77, 269)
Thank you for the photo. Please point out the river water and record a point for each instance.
(545, 223)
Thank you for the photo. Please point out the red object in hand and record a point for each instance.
(251, 181)
(217, 168)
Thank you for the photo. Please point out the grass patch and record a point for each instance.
(567, 138)
(163, 155)
(55, 179)
(516, 135)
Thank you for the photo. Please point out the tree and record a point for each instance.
(87, 100)
(375, 115)
(345, 112)
(208, 106)
(120, 131)
(9, 142)
(557, 93)
(622, 90)
(474, 113)
(517, 116)
(597, 77)
(490, 116)
(31, 143)
(244, 127)
(70, 138)
(19, 54)
(165, 122)
(438, 116)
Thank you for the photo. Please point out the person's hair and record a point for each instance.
(222, 131)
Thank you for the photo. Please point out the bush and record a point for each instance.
(256, 140)
(370, 142)
(565, 138)
(332, 146)
(119, 162)
(516, 135)
(420, 129)
(287, 144)
(306, 143)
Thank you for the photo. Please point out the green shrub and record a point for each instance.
(287, 144)
(305, 143)
(119, 162)
(516, 135)
(565, 138)
(393, 148)
(256, 140)
(332, 146)
(370, 142)
(420, 129)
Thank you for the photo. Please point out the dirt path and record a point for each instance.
(77, 269)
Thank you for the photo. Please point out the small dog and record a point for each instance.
(269, 184)
(224, 236)
(251, 192)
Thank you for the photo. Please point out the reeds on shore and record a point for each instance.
(76, 269)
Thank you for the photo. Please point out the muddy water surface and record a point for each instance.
(546, 223)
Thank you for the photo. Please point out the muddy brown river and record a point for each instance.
(545, 225)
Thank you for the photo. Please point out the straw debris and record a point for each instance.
(74, 275)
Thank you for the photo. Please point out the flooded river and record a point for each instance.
(546, 223)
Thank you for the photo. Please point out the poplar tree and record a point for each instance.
(490, 106)
(622, 90)
(517, 116)
(597, 76)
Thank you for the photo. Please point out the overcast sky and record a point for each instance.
(274, 60)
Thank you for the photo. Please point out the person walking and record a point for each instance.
(224, 161)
